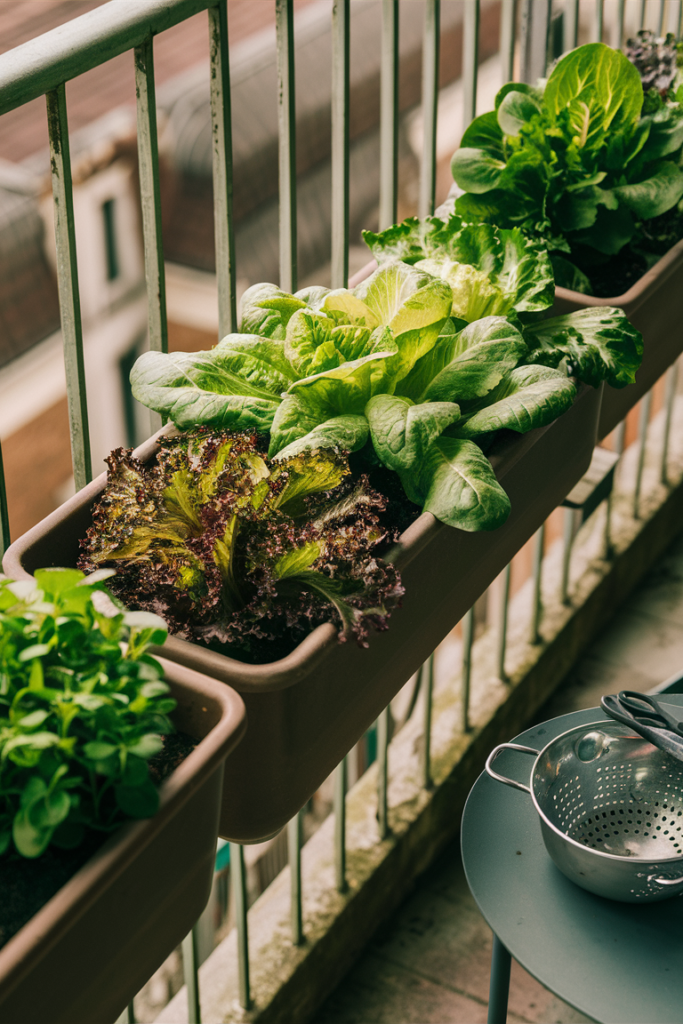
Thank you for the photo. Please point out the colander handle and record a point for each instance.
(502, 778)
(664, 881)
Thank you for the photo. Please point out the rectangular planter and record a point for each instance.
(86, 953)
(655, 306)
(307, 710)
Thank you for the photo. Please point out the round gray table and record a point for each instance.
(618, 963)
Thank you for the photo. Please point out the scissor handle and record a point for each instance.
(644, 706)
(618, 710)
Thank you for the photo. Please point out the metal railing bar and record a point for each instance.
(42, 64)
(427, 703)
(620, 437)
(470, 62)
(537, 574)
(383, 773)
(618, 31)
(503, 622)
(67, 278)
(570, 37)
(674, 17)
(599, 19)
(4, 511)
(294, 857)
(640, 20)
(340, 142)
(388, 118)
(467, 642)
(150, 196)
(567, 539)
(127, 1016)
(286, 117)
(508, 18)
(660, 18)
(677, 21)
(534, 36)
(430, 100)
(669, 399)
(238, 882)
(339, 806)
(221, 134)
(643, 422)
(190, 969)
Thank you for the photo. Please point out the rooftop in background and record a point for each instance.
(92, 95)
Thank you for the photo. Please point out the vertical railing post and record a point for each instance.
(508, 17)
(570, 37)
(618, 25)
(504, 598)
(534, 39)
(238, 882)
(430, 100)
(470, 62)
(640, 19)
(150, 196)
(669, 399)
(294, 857)
(427, 703)
(67, 277)
(537, 577)
(127, 1016)
(567, 541)
(643, 423)
(660, 18)
(388, 118)
(383, 773)
(4, 511)
(286, 115)
(599, 19)
(221, 138)
(467, 642)
(191, 976)
(340, 825)
(340, 142)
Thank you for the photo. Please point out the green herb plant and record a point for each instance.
(416, 368)
(82, 709)
(575, 162)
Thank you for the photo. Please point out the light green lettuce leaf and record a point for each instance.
(345, 389)
(315, 343)
(411, 240)
(347, 433)
(291, 421)
(234, 385)
(599, 344)
(527, 397)
(482, 354)
(402, 431)
(266, 310)
(516, 108)
(600, 78)
(456, 483)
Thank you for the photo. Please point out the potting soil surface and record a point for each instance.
(27, 884)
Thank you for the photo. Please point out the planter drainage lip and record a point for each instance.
(315, 647)
(23, 954)
(630, 300)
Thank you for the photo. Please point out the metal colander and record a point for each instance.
(611, 810)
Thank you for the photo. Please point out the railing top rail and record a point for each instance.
(43, 63)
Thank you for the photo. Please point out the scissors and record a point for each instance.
(648, 718)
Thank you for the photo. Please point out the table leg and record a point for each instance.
(500, 983)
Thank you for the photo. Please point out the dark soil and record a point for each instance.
(27, 884)
(619, 273)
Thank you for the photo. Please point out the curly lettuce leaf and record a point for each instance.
(598, 344)
(402, 431)
(527, 397)
(411, 240)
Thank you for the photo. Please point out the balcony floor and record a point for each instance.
(430, 963)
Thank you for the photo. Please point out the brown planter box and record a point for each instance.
(85, 954)
(655, 306)
(307, 710)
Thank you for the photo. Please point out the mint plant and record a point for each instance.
(82, 709)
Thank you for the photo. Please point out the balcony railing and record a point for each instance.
(43, 66)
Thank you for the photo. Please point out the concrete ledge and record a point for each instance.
(290, 983)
